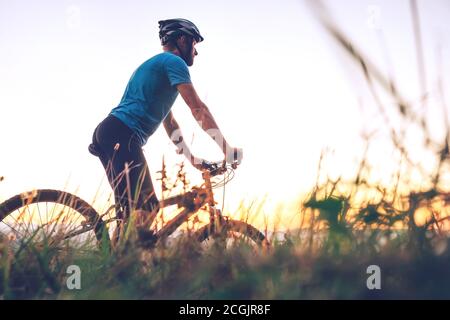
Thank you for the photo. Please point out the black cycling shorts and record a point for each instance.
(119, 147)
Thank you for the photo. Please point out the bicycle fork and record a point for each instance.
(215, 215)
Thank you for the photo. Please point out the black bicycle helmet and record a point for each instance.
(172, 28)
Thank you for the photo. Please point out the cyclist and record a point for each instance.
(146, 103)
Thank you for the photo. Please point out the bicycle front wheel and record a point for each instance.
(51, 216)
(230, 232)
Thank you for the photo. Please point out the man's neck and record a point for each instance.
(172, 50)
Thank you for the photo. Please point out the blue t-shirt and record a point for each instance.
(150, 93)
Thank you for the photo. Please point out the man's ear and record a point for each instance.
(182, 39)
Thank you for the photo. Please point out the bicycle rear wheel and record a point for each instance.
(51, 216)
(230, 232)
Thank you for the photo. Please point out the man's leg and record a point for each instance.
(125, 166)
(141, 186)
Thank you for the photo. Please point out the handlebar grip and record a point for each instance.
(206, 165)
(214, 168)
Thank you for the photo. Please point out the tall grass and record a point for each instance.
(346, 225)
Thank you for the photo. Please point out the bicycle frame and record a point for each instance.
(192, 201)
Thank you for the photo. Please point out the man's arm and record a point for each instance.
(203, 116)
(174, 132)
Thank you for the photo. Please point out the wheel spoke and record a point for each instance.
(30, 220)
(40, 217)
(11, 227)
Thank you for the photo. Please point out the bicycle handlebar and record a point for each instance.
(217, 168)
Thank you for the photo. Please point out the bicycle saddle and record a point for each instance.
(94, 150)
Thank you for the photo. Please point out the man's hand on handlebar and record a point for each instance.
(198, 163)
(233, 156)
(213, 167)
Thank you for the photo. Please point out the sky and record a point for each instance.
(276, 83)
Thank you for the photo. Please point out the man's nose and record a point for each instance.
(195, 52)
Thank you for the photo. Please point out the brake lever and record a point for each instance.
(208, 165)
(214, 168)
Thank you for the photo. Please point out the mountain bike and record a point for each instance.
(54, 215)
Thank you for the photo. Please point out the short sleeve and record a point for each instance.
(177, 71)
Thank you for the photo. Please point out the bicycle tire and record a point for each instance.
(63, 198)
(229, 227)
